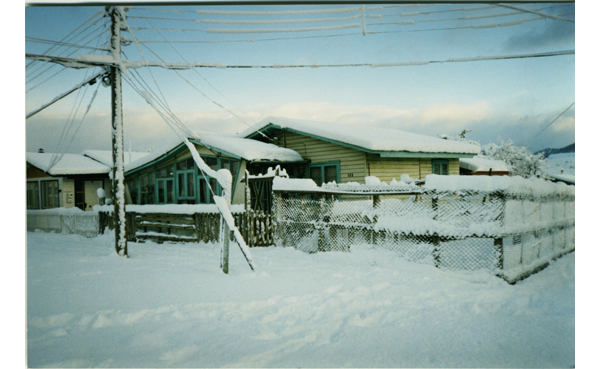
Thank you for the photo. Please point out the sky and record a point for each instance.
(516, 99)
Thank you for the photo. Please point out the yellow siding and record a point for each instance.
(352, 162)
(387, 168)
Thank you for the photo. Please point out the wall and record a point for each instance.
(387, 168)
(353, 163)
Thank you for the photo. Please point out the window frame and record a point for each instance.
(322, 165)
(441, 162)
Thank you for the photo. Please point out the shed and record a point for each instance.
(349, 153)
(479, 166)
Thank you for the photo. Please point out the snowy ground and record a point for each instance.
(170, 306)
(561, 163)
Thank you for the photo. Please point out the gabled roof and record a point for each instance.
(241, 148)
(105, 156)
(383, 141)
(69, 164)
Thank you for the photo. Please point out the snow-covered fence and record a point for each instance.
(510, 226)
(189, 223)
(64, 221)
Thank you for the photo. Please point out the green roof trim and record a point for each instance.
(433, 155)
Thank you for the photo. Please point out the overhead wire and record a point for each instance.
(99, 12)
(72, 39)
(201, 76)
(34, 76)
(554, 120)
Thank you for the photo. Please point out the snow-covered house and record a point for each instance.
(169, 175)
(347, 153)
(69, 180)
(478, 166)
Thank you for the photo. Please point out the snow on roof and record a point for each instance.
(370, 138)
(68, 164)
(105, 156)
(247, 149)
(478, 164)
(251, 149)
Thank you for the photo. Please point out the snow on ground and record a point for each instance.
(561, 163)
(170, 306)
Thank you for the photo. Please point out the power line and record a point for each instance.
(554, 120)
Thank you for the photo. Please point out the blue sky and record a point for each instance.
(512, 99)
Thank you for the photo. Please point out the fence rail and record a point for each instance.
(510, 234)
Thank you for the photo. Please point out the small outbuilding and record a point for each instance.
(478, 166)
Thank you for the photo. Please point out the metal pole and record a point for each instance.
(118, 177)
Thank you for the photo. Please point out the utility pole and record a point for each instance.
(118, 173)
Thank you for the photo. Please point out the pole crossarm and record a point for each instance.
(87, 61)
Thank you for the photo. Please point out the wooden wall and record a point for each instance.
(353, 163)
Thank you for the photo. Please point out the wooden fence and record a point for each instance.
(255, 226)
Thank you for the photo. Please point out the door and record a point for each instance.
(80, 194)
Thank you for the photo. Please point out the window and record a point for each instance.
(165, 185)
(440, 167)
(49, 194)
(186, 193)
(147, 188)
(33, 193)
(133, 190)
(324, 173)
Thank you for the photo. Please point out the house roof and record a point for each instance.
(105, 156)
(478, 164)
(69, 164)
(383, 141)
(250, 150)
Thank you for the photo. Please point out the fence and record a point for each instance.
(511, 234)
(64, 221)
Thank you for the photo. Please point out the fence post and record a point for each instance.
(499, 248)
(436, 250)
(376, 204)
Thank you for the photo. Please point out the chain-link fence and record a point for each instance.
(510, 234)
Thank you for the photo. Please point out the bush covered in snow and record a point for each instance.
(522, 162)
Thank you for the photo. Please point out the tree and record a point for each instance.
(522, 162)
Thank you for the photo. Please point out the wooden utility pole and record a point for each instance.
(118, 173)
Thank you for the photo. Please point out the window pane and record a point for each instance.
(181, 184)
(133, 190)
(330, 173)
(190, 184)
(211, 162)
(161, 191)
(202, 189)
(33, 195)
(234, 168)
(213, 186)
(170, 191)
(49, 194)
(182, 165)
(315, 175)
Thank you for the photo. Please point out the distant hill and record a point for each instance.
(548, 152)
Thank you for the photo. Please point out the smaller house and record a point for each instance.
(170, 176)
(478, 166)
(69, 180)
